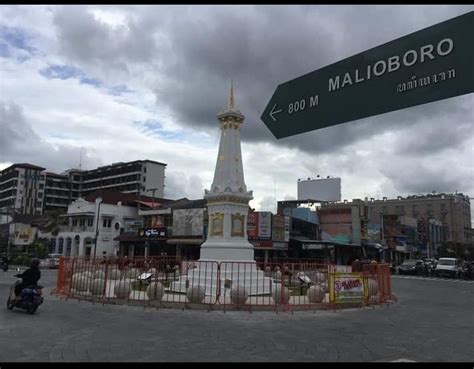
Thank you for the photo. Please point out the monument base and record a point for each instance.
(232, 273)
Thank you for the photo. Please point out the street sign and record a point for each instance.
(432, 64)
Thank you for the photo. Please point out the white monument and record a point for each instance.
(227, 202)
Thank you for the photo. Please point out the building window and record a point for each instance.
(90, 222)
(144, 179)
(104, 223)
(40, 195)
(400, 209)
(82, 222)
(41, 186)
(144, 169)
(109, 223)
(443, 207)
(74, 222)
(384, 210)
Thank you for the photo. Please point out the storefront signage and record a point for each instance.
(153, 232)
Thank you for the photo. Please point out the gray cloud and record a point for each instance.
(259, 47)
(20, 143)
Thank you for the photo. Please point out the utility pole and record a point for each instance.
(99, 200)
(153, 190)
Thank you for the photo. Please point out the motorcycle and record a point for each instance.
(30, 298)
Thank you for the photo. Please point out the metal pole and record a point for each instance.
(97, 229)
(428, 246)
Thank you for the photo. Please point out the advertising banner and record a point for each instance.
(133, 226)
(264, 224)
(252, 225)
(347, 288)
(278, 228)
(188, 222)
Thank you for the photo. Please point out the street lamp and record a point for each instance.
(97, 201)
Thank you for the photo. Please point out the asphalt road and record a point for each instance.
(433, 320)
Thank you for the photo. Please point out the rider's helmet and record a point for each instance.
(35, 263)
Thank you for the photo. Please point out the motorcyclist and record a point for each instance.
(30, 277)
(5, 261)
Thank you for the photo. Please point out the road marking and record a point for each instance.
(433, 279)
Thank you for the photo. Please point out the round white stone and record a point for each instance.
(97, 287)
(99, 274)
(80, 283)
(114, 274)
(316, 294)
(196, 294)
(238, 295)
(131, 273)
(88, 274)
(122, 290)
(280, 297)
(155, 291)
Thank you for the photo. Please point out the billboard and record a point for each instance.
(24, 234)
(325, 189)
(252, 225)
(280, 232)
(188, 222)
(264, 224)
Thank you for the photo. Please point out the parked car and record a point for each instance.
(411, 266)
(52, 261)
(450, 267)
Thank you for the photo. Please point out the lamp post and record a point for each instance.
(97, 201)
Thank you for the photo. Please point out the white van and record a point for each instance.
(54, 260)
(450, 267)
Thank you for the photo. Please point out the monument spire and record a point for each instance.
(231, 97)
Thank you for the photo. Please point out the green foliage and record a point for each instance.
(23, 260)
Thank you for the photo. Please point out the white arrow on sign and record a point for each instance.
(274, 112)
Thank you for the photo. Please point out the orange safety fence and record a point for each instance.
(165, 281)
(378, 282)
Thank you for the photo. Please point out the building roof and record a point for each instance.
(23, 165)
(51, 174)
(124, 164)
(113, 197)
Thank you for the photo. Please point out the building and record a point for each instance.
(102, 216)
(22, 188)
(61, 190)
(135, 177)
(29, 189)
(452, 210)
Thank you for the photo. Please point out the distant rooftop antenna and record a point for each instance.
(80, 160)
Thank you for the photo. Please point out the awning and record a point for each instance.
(324, 243)
(83, 214)
(185, 241)
(129, 237)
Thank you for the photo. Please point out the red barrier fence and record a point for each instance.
(168, 281)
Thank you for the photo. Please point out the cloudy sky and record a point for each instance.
(146, 82)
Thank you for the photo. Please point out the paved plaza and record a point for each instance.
(433, 320)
